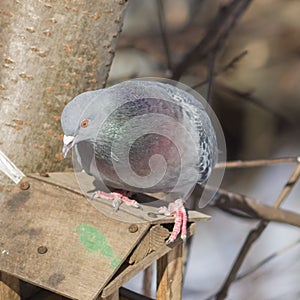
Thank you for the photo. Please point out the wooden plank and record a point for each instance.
(152, 241)
(147, 281)
(170, 275)
(9, 287)
(55, 239)
(149, 205)
(132, 270)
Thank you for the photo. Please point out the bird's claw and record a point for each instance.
(116, 203)
(163, 210)
(118, 198)
(176, 209)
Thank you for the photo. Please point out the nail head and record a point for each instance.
(152, 215)
(133, 228)
(42, 249)
(24, 185)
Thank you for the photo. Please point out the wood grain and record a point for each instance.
(55, 239)
(153, 240)
(146, 214)
(170, 275)
(132, 270)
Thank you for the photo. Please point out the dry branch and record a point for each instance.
(257, 163)
(255, 234)
(251, 238)
(231, 65)
(215, 35)
(163, 32)
(249, 97)
(210, 76)
(267, 259)
(244, 205)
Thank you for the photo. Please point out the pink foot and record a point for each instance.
(118, 198)
(176, 209)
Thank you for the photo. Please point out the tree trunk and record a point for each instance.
(50, 51)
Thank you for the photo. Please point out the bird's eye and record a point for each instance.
(84, 123)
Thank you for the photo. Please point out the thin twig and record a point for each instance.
(288, 186)
(255, 234)
(164, 36)
(266, 260)
(234, 61)
(210, 76)
(248, 96)
(252, 237)
(228, 66)
(256, 163)
(215, 35)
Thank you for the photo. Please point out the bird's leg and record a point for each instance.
(118, 197)
(176, 209)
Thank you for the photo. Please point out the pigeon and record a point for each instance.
(142, 136)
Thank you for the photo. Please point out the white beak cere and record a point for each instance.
(69, 142)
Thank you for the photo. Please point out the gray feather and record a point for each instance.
(132, 122)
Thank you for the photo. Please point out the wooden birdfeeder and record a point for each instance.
(52, 237)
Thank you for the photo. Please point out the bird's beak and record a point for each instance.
(69, 142)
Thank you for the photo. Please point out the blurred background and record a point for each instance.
(256, 99)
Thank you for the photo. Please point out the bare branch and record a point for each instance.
(288, 186)
(256, 163)
(245, 206)
(164, 36)
(215, 35)
(210, 76)
(248, 96)
(234, 61)
(230, 65)
(255, 234)
(267, 259)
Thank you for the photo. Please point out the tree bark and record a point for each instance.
(50, 51)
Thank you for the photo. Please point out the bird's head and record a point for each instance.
(78, 120)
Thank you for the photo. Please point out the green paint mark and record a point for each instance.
(115, 262)
(94, 241)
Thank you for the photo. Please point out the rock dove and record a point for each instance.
(142, 136)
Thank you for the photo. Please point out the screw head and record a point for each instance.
(152, 215)
(44, 174)
(133, 228)
(24, 185)
(42, 249)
